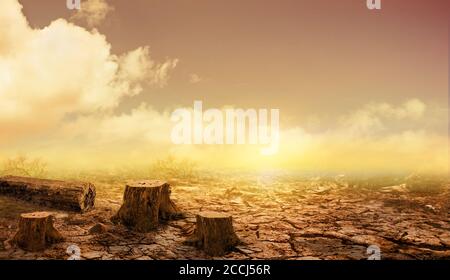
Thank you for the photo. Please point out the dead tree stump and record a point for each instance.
(36, 231)
(145, 204)
(214, 233)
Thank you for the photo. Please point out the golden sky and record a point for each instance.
(355, 88)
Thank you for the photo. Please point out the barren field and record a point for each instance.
(275, 218)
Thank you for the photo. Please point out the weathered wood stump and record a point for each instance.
(214, 233)
(36, 231)
(64, 195)
(145, 204)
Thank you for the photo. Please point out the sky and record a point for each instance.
(356, 88)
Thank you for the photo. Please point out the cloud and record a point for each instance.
(60, 87)
(371, 119)
(63, 69)
(141, 126)
(137, 66)
(405, 143)
(93, 12)
(378, 137)
(195, 79)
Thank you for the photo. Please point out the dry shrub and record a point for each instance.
(419, 183)
(375, 182)
(24, 166)
(173, 168)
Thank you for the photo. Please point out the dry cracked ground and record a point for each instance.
(275, 219)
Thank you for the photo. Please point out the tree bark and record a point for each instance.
(167, 209)
(214, 233)
(36, 231)
(145, 204)
(63, 195)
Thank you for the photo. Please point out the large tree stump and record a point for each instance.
(145, 204)
(214, 233)
(64, 195)
(36, 231)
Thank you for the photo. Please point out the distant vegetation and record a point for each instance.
(173, 168)
(24, 166)
(425, 183)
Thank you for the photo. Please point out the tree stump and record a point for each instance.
(145, 204)
(214, 233)
(36, 231)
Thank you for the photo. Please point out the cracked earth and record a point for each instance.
(284, 219)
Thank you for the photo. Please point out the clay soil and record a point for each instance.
(287, 218)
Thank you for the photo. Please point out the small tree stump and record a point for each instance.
(145, 203)
(36, 231)
(214, 233)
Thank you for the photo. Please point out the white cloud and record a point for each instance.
(136, 67)
(93, 12)
(59, 86)
(195, 79)
(373, 118)
(376, 137)
(63, 69)
(143, 126)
